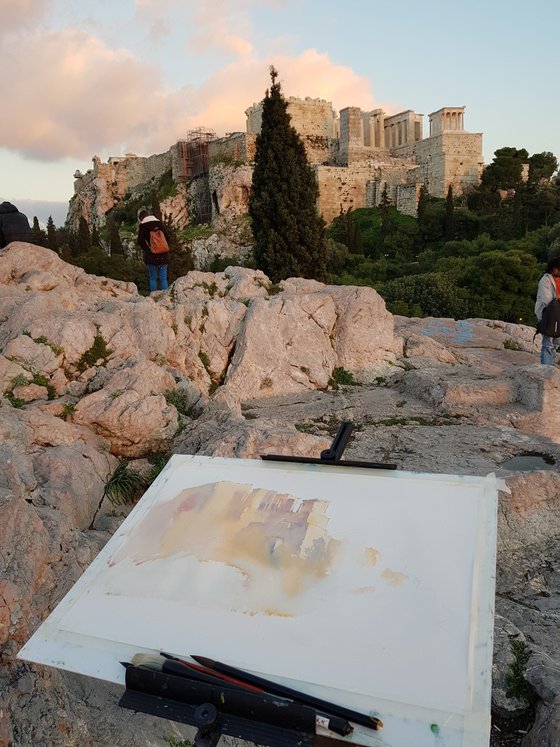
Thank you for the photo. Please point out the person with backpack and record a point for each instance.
(14, 225)
(547, 311)
(152, 239)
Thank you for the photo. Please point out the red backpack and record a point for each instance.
(158, 242)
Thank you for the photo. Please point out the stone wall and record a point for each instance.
(450, 158)
(234, 148)
(308, 116)
(361, 184)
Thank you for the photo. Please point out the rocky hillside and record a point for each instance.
(228, 364)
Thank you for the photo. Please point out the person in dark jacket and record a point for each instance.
(156, 263)
(14, 225)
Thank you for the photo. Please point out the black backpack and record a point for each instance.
(549, 323)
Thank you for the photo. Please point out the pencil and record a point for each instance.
(287, 692)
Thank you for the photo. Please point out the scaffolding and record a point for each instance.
(193, 153)
(193, 165)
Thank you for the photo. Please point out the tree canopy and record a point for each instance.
(287, 228)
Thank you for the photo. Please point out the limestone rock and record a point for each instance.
(131, 411)
(247, 364)
(531, 514)
(21, 573)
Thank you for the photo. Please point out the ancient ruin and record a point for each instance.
(355, 155)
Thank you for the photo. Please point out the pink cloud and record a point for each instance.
(20, 14)
(71, 95)
(220, 103)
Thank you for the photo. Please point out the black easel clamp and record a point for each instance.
(260, 718)
(332, 455)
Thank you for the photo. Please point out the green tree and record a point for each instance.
(39, 235)
(52, 238)
(432, 294)
(505, 170)
(115, 243)
(180, 258)
(95, 240)
(423, 199)
(449, 223)
(542, 166)
(156, 208)
(288, 231)
(82, 243)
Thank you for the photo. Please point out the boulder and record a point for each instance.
(130, 411)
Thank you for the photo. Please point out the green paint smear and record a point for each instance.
(434, 728)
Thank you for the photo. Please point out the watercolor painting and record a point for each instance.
(276, 543)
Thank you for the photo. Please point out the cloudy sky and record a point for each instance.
(82, 78)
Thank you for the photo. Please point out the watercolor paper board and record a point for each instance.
(371, 588)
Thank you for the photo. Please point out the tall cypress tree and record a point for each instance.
(288, 230)
(95, 240)
(115, 243)
(52, 239)
(449, 222)
(156, 207)
(83, 242)
(39, 236)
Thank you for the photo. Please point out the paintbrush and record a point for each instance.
(159, 663)
(213, 673)
(287, 692)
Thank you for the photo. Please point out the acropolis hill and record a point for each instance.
(354, 155)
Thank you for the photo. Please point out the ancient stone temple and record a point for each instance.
(356, 155)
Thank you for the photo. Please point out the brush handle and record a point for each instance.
(214, 674)
(180, 669)
(287, 692)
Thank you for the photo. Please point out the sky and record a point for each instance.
(80, 79)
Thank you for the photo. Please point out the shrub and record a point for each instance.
(341, 377)
(124, 486)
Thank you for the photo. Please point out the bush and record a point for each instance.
(431, 294)
(124, 486)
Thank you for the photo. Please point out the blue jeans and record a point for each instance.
(155, 271)
(548, 350)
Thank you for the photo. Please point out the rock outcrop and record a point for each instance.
(93, 375)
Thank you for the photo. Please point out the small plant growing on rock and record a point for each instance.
(205, 360)
(97, 352)
(124, 486)
(305, 427)
(68, 409)
(41, 380)
(172, 742)
(517, 685)
(340, 377)
(510, 344)
(158, 462)
(14, 401)
(176, 397)
(19, 380)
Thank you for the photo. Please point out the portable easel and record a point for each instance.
(261, 718)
